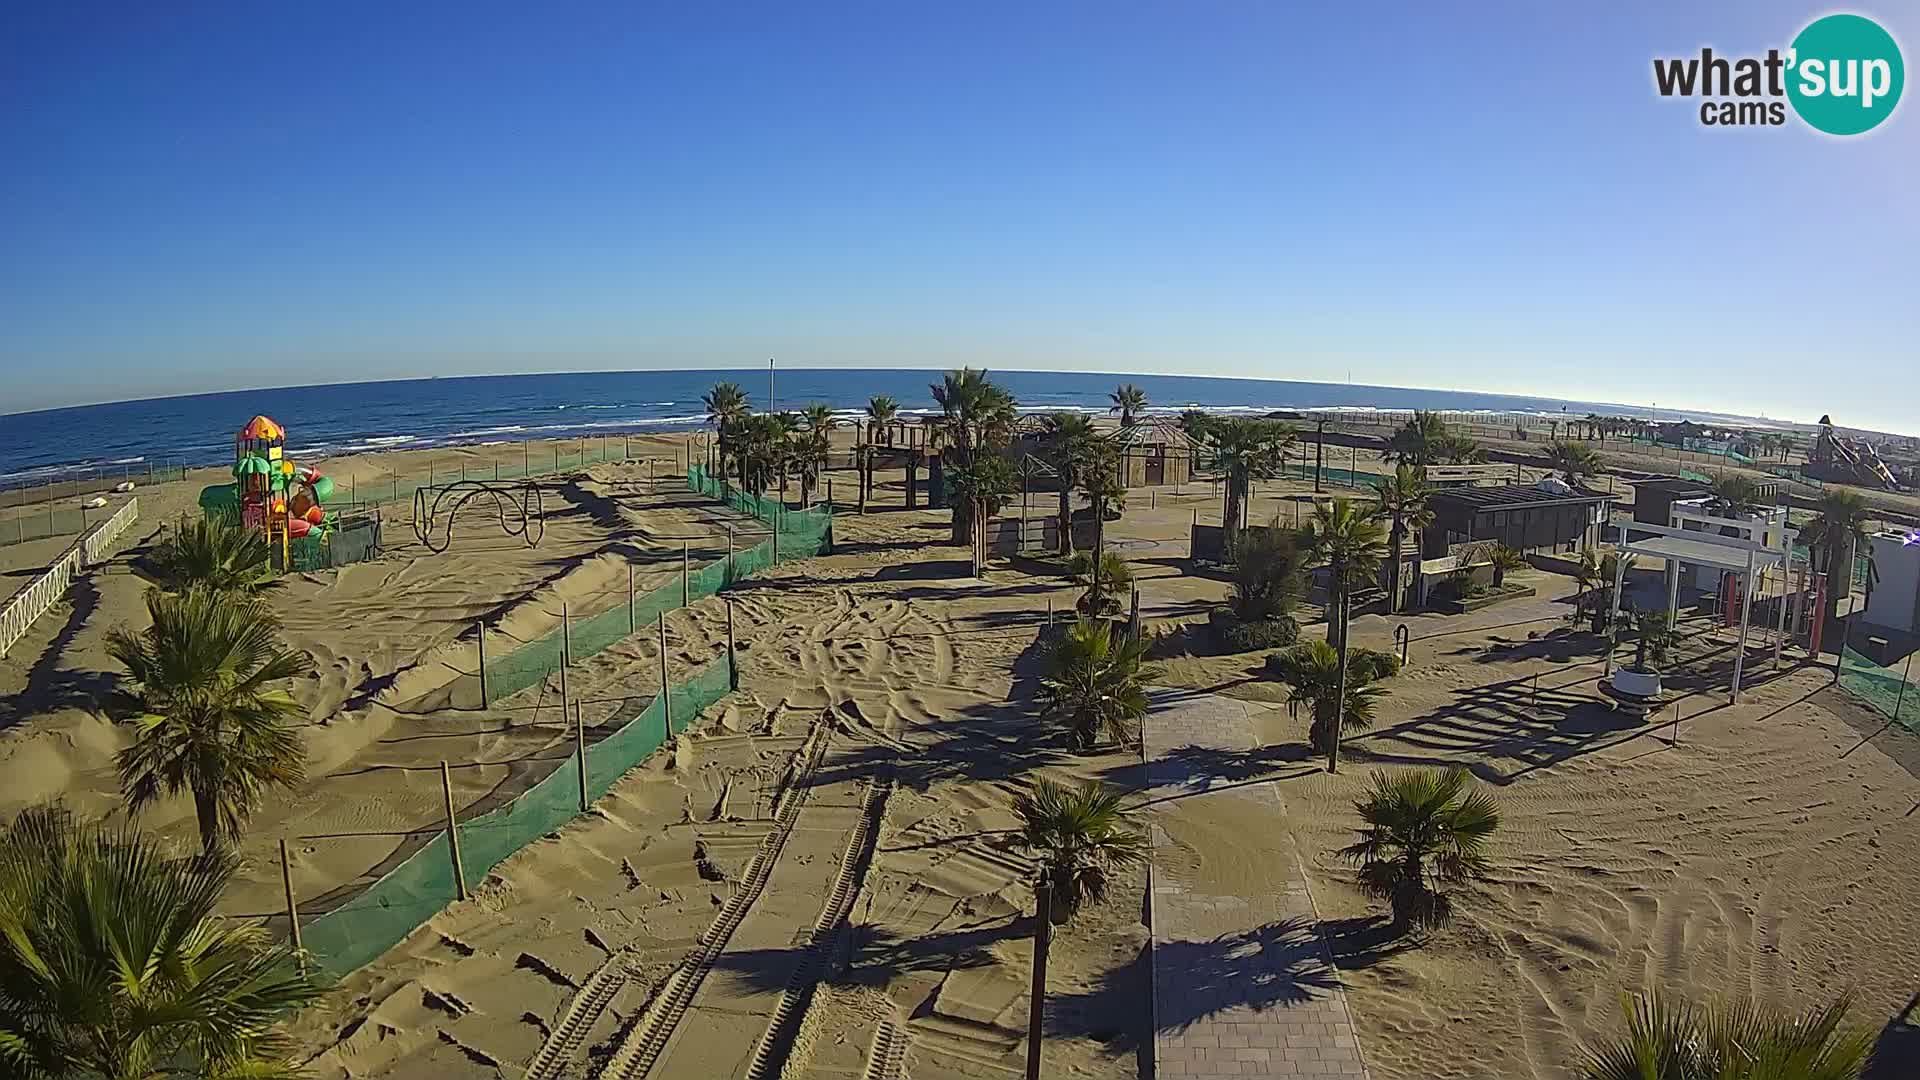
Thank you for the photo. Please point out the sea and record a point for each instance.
(353, 418)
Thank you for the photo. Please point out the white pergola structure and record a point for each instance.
(1750, 558)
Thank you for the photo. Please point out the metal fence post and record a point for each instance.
(732, 656)
(686, 558)
(480, 628)
(666, 699)
(453, 833)
(630, 627)
(580, 749)
(293, 909)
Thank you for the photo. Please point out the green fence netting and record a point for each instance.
(360, 930)
(1882, 688)
(381, 917)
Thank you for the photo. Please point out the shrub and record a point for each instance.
(1231, 633)
(1372, 663)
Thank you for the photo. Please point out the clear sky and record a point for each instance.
(1484, 197)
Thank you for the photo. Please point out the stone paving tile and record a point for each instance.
(1242, 986)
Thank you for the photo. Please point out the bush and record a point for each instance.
(1373, 664)
(1231, 633)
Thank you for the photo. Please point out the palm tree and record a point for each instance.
(785, 449)
(217, 723)
(882, 411)
(1504, 559)
(1596, 574)
(1096, 684)
(1458, 450)
(726, 406)
(1837, 532)
(218, 554)
(1078, 841)
(1737, 493)
(981, 488)
(1112, 577)
(1573, 460)
(975, 414)
(1193, 423)
(1244, 450)
(1424, 829)
(1672, 1040)
(113, 962)
(1129, 401)
(1351, 543)
(1099, 481)
(1417, 442)
(1070, 440)
(816, 440)
(1313, 672)
(1402, 501)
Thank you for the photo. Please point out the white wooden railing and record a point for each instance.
(98, 544)
(46, 590)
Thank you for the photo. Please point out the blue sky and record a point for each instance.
(1406, 194)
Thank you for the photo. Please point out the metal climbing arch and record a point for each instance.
(518, 505)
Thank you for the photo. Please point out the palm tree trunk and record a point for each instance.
(1066, 518)
(1393, 566)
(1231, 518)
(1037, 1004)
(206, 812)
(1340, 694)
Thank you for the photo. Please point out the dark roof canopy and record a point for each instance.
(1509, 497)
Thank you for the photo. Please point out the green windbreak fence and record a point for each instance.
(797, 534)
(360, 930)
(1882, 688)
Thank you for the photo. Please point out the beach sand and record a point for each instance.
(884, 725)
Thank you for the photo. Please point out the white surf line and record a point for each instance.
(641, 1049)
(777, 1041)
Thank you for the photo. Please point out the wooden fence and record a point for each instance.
(46, 590)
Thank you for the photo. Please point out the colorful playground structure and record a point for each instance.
(270, 493)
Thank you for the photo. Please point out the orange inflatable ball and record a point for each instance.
(315, 515)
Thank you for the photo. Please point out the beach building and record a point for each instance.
(1763, 525)
(1547, 517)
(1653, 498)
(1894, 603)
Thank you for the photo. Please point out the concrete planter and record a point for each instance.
(1643, 684)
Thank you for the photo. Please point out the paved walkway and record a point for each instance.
(1242, 985)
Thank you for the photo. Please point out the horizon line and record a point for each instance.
(282, 387)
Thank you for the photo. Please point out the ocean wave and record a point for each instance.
(386, 440)
(508, 429)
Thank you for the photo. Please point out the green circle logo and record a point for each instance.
(1844, 74)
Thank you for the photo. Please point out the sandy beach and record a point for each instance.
(865, 772)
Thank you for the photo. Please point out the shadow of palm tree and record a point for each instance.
(1279, 964)
(1505, 721)
(1897, 1052)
